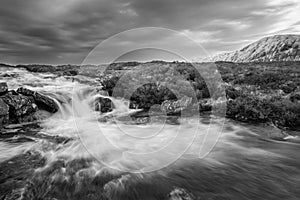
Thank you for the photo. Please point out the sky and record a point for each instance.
(62, 32)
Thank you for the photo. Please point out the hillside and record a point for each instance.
(273, 48)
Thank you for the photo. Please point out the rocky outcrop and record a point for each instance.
(42, 101)
(24, 105)
(19, 105)
(3, 88)
(269, 49)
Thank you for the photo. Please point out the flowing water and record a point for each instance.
(79, 153)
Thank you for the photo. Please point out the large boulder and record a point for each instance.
(3, 88)
(42, 101)
(19, 105)
(4, 112)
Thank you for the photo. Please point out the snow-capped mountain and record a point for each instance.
(274, 48)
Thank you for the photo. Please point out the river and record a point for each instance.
(78, 153)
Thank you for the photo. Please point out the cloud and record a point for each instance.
(55, 31)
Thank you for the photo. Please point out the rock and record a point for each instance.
(41, 115)
(142, 120)
(289, 87)
(232, 93)
(205, 105)
(3, 88)
(295, 97)
(8, 75)
(175, 107)
(104, 105)
(108, 83)
(180, 194)
(19, 105)
(4, 112)
(42, 101)
(70, 73)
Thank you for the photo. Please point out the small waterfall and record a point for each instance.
(81, 103)
(119, 145)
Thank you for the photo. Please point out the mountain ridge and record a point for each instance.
(268, 49)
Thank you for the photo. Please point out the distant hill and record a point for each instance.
(274, 48)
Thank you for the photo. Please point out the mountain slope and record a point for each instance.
(274, 48)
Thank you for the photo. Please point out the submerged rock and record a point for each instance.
(3, 88)
(42, 101)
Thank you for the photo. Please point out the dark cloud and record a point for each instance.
(55, 31)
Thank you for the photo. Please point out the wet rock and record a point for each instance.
(108, 83)
(4, 112)
(3, 88)
(142, 120)
(19, 105)
(180, 194)
(232, 93)
(205, 105)
(289, 87)
(103, 105)
(8, 75)
(42, 101)
(173, 107)
(70, 73)
(41, 115)
(295, 97)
